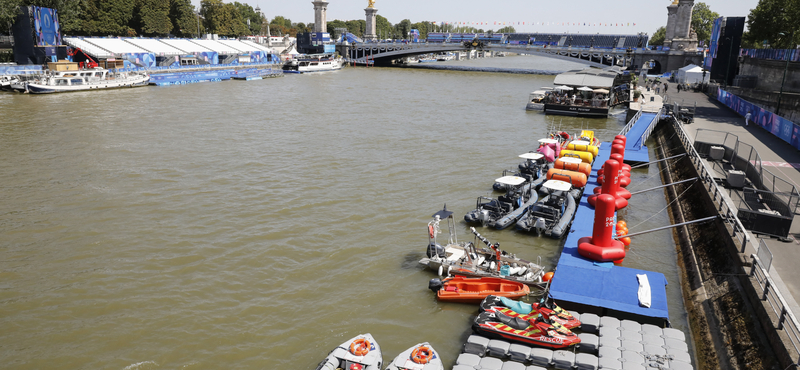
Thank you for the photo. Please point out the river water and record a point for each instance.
(259, 224)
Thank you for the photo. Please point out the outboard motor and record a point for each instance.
(484, 217)
(434, 249)
(540, 225)
(435, 285)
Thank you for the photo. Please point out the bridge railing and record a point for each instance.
(631, 122)
(772, 298)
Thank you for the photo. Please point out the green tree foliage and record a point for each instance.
(184, 21)
(423, 28)
(70, 13)
(151, 18)
(507, 29)
(402, 28)
(334, 24)
(702, 22)
(357, 27)
(383, 27)
(280, 26)
(247, 12)
(658, 37)
(223, 19)
(107, 17)
(769, 19)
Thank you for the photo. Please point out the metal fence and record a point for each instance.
(727, 210)
(744, 157)
(773, 299)
(650, 128)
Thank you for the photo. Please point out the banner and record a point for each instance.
(777, 125)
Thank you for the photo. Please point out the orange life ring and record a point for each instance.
(360, 347)
(430, 230)
(421, 355)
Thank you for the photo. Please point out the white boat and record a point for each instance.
(313, 63)
(89, 79)
(419, 357)
(361, 352)
(444, 57)
(6, 81)
(536, 99)
(464, 258)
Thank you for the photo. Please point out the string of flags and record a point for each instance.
(524, 23)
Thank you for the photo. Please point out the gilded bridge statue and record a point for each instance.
(371, 3)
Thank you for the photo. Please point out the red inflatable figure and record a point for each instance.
(601, 246)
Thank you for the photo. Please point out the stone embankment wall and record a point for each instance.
(727, 325)
(768, 85)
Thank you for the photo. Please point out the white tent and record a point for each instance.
(691, 74)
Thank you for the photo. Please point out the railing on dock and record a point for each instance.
(631, 122)
(773, 298)
(649, 129)
(727, 210)
(745, 158)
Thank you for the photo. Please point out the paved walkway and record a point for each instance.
(777, 156)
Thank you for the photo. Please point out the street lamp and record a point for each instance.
(786, 67)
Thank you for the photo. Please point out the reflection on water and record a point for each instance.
(259, 224)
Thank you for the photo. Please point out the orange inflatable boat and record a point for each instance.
(474, 290)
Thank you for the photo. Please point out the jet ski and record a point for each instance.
(526, 311)
(537, 331)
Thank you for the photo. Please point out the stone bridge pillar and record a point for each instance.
(320, 15)
(371, 32)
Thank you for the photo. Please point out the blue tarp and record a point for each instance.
(579, 280)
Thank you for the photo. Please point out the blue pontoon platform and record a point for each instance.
(603, 288)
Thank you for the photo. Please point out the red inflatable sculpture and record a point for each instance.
(601, 246)
(611, 187)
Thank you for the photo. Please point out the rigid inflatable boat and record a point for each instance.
(475, 289)
(553, 214)
(361, 352)
(464, 258)
(419, 357)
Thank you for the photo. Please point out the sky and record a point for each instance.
(538, 15)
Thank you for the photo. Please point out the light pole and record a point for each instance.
(785, 68)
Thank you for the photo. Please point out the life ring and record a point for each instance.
(430, 230)
(421, 355)
(360, 347)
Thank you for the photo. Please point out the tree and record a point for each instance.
(383, 27)
(357, 27)
(247, 12)
(151, 18)
(403, 28)
(658, 37)
(702, 22)
(334, 24)
(107, 17)
(507, 29)
(184, 20)
(70, 13)
(280, 25)
(769, 19)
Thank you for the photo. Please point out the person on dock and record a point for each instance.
(747, 119)
(666, 87)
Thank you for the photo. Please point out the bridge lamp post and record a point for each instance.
(785, 68)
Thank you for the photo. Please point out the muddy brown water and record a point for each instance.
(259, 224)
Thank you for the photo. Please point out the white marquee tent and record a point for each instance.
(691, 74)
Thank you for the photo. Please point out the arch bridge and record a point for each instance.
(384, 54)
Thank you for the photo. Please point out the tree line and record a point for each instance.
(162, 18)
(143, 17)
(771, 24)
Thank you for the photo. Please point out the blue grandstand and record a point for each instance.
(580, 40)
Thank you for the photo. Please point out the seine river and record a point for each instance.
(257, 225)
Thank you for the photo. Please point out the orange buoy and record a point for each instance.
(548, 276)
(577, 179)
(621, 224)
(621, 232)
(626, 241)
(581, 167)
